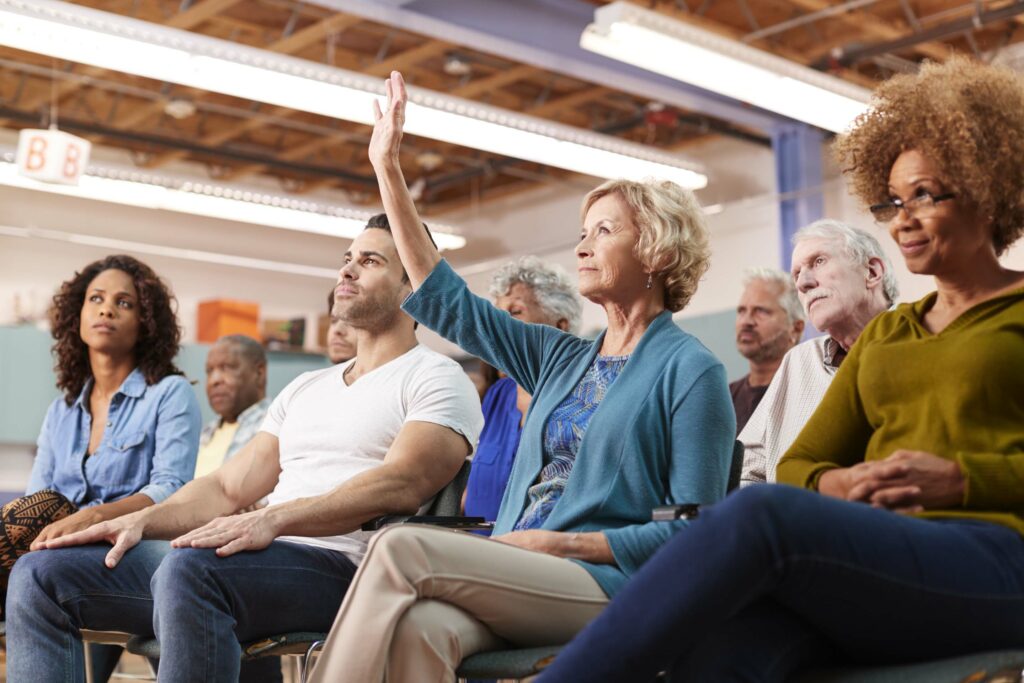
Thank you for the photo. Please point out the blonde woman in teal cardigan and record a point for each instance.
(637, 418)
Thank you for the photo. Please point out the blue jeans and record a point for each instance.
(775, 579)
(199, 605)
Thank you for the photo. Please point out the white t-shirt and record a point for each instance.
(329, 432)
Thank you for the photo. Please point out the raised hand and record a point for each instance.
(124, 533)
(229, 535)
(388, 125)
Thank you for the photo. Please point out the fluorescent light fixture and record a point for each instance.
(110, 41)
(118, 245)
(132, 188)
(659, 43)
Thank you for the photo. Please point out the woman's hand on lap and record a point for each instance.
(930, 482)
(538, 540)
(860, 482)
(79, 521)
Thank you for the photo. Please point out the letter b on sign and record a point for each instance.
(52, 156)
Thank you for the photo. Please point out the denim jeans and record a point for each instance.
(199, 605)
(775, 579)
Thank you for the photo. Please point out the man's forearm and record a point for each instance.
(193, 505)
(345, 508)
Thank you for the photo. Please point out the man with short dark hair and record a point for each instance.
(380, 434)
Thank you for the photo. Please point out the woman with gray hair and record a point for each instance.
(618, 425)
(532, 291)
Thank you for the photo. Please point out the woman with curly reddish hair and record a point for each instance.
(901, 535)
(125, 434)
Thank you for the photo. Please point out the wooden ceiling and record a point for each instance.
(235, 139)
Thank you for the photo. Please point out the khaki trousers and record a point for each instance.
(425, 598)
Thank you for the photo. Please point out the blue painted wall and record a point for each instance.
(27, 382)
(718, 332)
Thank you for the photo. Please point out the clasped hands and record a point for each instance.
(907, 481)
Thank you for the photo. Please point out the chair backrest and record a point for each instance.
(448, 502)
(736, 466)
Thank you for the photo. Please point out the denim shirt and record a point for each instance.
(149, 443)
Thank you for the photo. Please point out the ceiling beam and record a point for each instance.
(877, 26)
(188, 19)
(200, 12)
(500, 79)
(301, 39)
(410, 57)
(546, 34)
(559, 104)
(296, 42)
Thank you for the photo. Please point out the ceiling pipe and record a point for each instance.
(849, 57)
(367, 181)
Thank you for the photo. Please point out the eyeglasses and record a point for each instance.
(919, 205)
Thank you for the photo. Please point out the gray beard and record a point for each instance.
(773, 349)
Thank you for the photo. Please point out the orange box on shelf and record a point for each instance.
(226, 316)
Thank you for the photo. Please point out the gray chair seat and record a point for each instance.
(297, 643)
(952, 670)
(508, 663)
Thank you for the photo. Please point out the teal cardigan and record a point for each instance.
(663, 434)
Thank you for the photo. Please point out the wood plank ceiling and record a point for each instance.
(236, 139)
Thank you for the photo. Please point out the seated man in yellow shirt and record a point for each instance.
(236, 387)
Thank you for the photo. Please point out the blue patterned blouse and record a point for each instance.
(562, 439)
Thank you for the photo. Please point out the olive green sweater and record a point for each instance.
(958, 394)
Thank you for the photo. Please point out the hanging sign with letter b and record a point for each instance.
(52, 156)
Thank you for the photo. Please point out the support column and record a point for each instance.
(798, 152)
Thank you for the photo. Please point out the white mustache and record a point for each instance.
(815, 294)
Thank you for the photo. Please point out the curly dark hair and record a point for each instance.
(967, 118)
(159, 333)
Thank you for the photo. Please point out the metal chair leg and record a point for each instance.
(88, 662)
(307, 659)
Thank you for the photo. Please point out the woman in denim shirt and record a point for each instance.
(125, 434)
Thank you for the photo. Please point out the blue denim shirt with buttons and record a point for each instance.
(149, 444)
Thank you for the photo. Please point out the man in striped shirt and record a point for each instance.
(843, 279)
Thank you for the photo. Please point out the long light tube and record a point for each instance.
(213, 201)
(659, 43)
(110, 41)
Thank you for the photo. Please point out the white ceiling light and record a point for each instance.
(118, 43)
(686, 53)
(244, 205)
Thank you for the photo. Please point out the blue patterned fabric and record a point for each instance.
(562, 437)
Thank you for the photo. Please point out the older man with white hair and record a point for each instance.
(844, 279)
